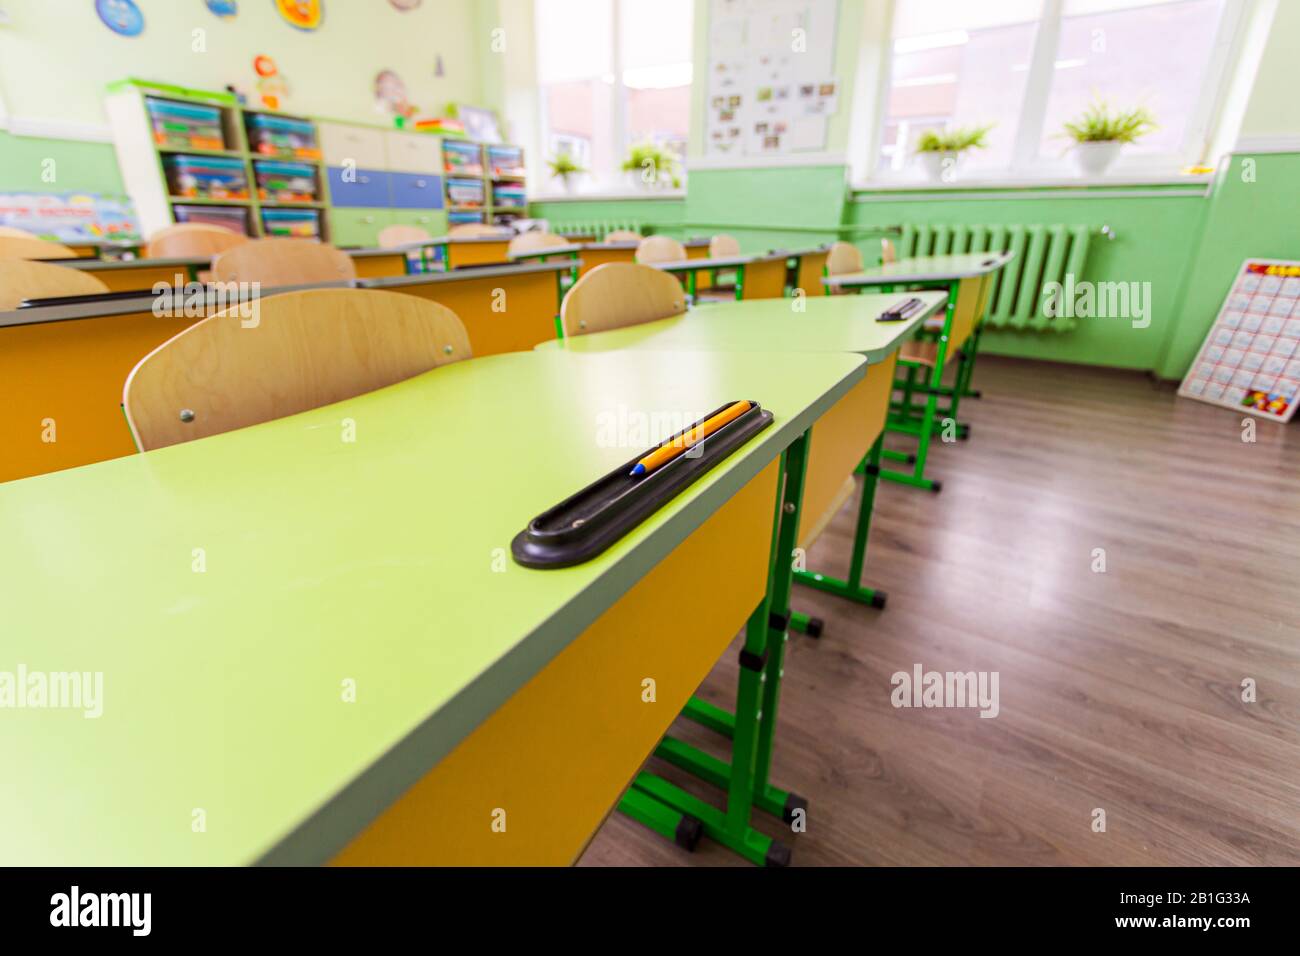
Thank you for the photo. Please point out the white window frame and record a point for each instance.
(607, 188)
(1028, 165)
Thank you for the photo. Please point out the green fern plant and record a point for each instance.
(563, 165)
(1099, 124)
(650, 155)
(956, 140)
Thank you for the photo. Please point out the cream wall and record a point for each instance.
(56, 57)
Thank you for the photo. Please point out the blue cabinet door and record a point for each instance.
(416, 191)
(360, 187)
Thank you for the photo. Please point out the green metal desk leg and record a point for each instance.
(690, 284)
(925, 428)
(852, 588)
(740, 282)
(750, 739)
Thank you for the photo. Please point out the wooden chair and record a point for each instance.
(660, 249)
(844, 257)
(535, 242)
(192, 240)
(390, 237)
(887, 252)
(307, 349)
(17, 247)
(13, 233)
(723, 247)
(619, 294)
(474, 229)
(623, 235)
(276, 262)
(25, 279)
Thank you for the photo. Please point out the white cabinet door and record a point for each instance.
(414, 153)
(357, 144)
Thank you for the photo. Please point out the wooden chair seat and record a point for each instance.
(920, 351)
(618, 294)
(281, 262)
(20, 247)
(31, 279)
(298, 351)
(192, 239)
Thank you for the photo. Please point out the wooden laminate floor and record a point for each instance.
(1119, 690)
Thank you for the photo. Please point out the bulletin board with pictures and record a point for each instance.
(1250, 360)
(772, 83)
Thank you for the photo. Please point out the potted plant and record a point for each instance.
(566, 169)
(652, 167)
(1099, 135)
(941, 150)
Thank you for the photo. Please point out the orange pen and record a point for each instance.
(666, 453)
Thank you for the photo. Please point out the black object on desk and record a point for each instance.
(585, 524)
(900, 312)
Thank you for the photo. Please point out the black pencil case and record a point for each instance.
(588, 522)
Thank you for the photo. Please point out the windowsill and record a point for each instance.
(610, 195)
(1052, 181)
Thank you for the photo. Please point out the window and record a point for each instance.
(613, 74)
(1026, 67)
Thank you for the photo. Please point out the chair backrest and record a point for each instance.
(619, 294)
(844, 257)
(275, 262)
(196, 239)
(723, 247)
(15, 233)
(535, 242)
(25, 279)
(660, 249)
(475, 229)
(306, 349)
(18, 247)
(888, 253)
(623, 235)
(401, 235)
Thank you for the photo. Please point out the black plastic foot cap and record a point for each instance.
(878, 599)
(689, 831)
(936, 487)
(975, 394)
(814, 628)
(778, 854)
(794, 803)
(911, 458)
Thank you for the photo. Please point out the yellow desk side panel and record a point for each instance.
(559, 753)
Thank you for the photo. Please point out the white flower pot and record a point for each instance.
(1093, 159)
(940, 167)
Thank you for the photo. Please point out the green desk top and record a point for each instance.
(111, 265)
(569, 250)
(326, 561)
(466, 273)
(721, 262)
(925, 269)
(841, 323)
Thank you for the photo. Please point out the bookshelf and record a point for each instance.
(484, 183)
(197, 156)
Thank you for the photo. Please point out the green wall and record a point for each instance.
(1155, 236)
(1251, 213)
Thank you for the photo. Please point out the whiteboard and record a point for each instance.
(771, 83)
(1250, 360)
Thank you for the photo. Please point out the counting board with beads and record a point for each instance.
(1250, 360)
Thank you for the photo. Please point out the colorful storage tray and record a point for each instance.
(509, 196)
(285, 182)
(458, 216)
(465, 159)
(281, 136)
(291, 223)
(205, 177)
(185, 125)
(234, 218)
(505, 161)
(465, 192)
